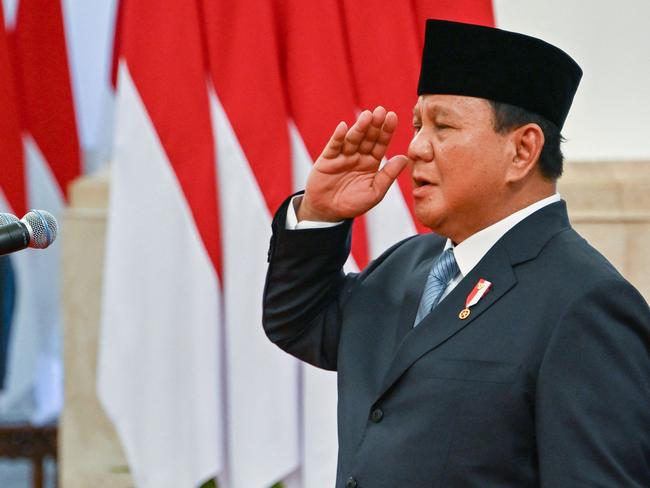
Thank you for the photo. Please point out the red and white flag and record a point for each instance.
(35, 174)
(160, 374)
(12, 176)
(253, 89)
(254, 161)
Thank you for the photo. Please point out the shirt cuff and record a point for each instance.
(293, 224)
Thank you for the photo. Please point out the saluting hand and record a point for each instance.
(346, 180)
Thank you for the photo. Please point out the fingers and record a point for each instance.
(386, 175)
(374, 130)
(370, 134)
(357, 133)
(385, 135)
(333, 147)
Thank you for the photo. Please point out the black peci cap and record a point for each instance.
(507, 67)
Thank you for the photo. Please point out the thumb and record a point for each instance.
(387, 174)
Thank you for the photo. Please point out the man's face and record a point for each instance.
(458, 164)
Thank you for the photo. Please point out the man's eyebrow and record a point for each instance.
(438, 110)
(433, 109)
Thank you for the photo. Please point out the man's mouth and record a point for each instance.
(421, 180)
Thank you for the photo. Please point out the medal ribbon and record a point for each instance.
(479, 291)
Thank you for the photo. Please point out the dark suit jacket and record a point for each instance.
(547, 383)
(7, 296)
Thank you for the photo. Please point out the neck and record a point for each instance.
(504, 207)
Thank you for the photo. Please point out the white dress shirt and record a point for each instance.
(292, 219)
(468, 253)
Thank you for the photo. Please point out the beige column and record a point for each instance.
(609, 204)
(89, 451)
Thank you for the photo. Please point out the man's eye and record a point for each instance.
(442, 126)
(416, 128)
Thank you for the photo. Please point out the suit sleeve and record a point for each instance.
(593, 393)
(305, 284)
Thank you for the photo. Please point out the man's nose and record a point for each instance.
(420, 148)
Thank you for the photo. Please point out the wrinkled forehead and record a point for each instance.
(450, 105)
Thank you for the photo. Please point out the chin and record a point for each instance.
(431, 216)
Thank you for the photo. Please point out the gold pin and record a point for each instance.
(464, 313)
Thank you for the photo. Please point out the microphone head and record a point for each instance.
(7, 218)
(42, 226)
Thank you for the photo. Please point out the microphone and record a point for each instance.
(37, 229)
(7, 218)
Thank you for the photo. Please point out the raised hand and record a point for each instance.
(346, 180)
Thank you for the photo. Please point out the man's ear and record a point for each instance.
(528, 141)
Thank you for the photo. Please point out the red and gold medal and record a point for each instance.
(479, 291)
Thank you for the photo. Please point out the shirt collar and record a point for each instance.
(469, 252)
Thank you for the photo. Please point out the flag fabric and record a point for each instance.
(12, 189)
(159, 372)
(12, 176)
(45, 88)
(222, 109)
(254, 163)
(316, 69)
(41, 161)
(89, 30)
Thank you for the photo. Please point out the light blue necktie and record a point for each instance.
(442, 272)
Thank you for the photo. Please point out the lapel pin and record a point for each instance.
(480, 289)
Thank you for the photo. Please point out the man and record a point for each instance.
(500, 351)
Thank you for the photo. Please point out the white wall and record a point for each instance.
(610, 117)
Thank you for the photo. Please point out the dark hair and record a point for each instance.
(508, 117)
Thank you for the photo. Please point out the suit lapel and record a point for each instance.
(521, 243)
(443, 322)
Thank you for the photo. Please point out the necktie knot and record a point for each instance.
(442, 272)
(445, 268)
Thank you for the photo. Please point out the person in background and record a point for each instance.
(7, 298)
